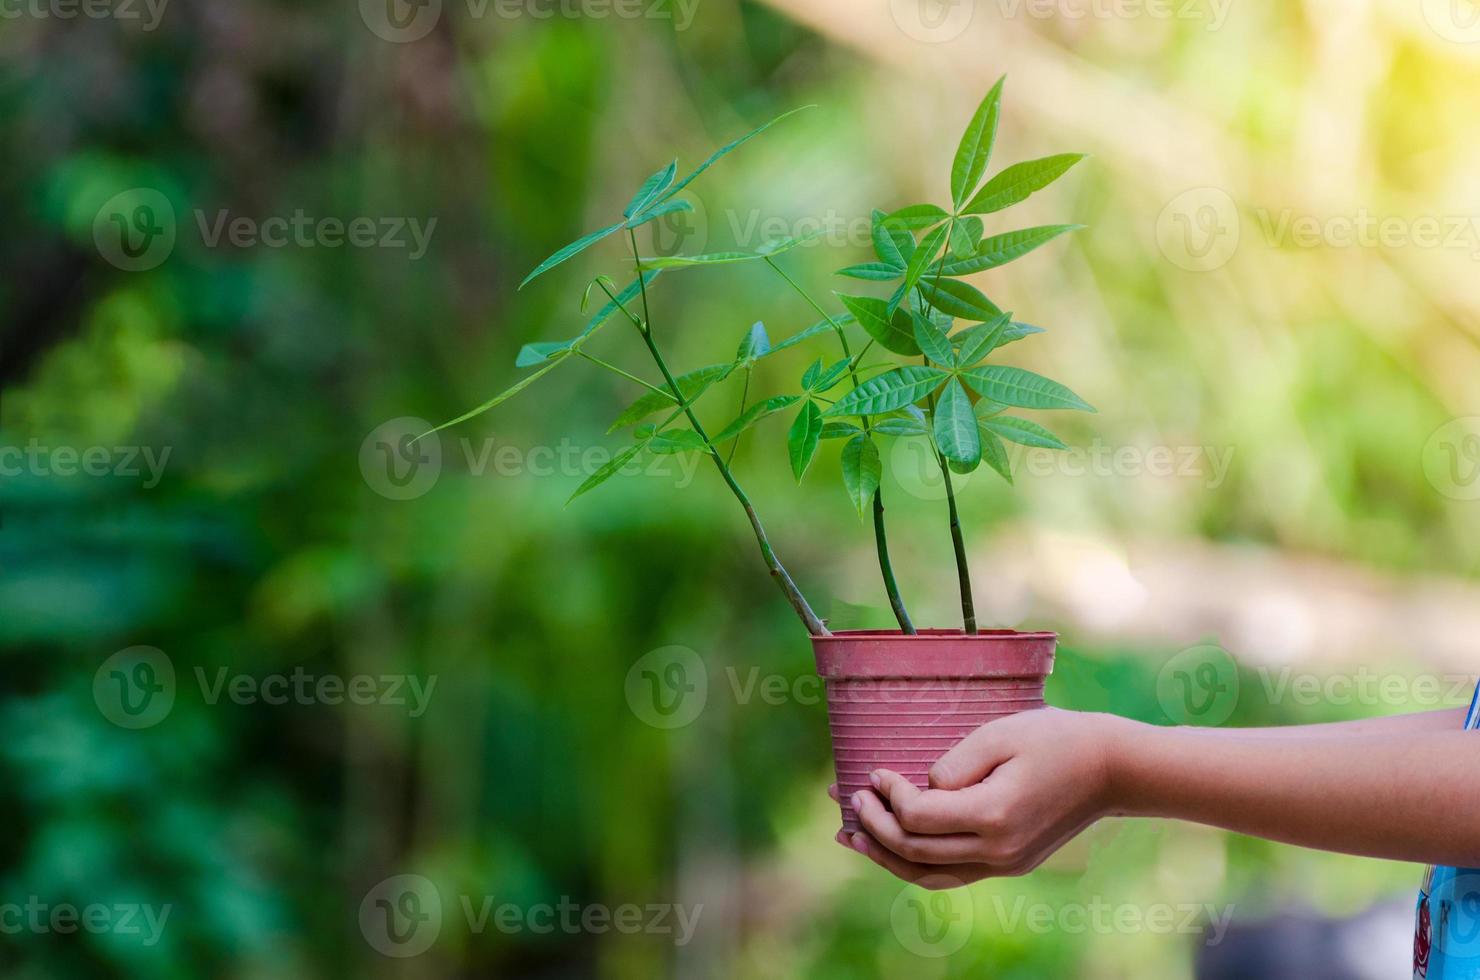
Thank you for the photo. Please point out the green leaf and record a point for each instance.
(955, 426)
(727, 148)
(539, 353)
(977, 343)
(768, 250)
(924, 255)
(976, 147)
(574, 248)
(1023, 432)
(608, 470)
(916, 217)
(801, 441)
(932, 341)
(691, 385)
(755, 345)
(899, 427)
(754, 414)
(502, 396)
(994, 454)
(828, 379)
(889, 392)
(1002, 249)
(1012, 332)
(821, 326)
(894, 331)
(1023, 389)
(839, 430)
(648, 193)
(677, 441)
(960, 299)
(862, 470)
(887, 246)
(872, 271)
(965, 233)
(1015, 183)
(654, 213)
(810, 376)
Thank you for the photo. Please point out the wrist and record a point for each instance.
(1122, 743)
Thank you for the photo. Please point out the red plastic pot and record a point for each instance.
(901, 702)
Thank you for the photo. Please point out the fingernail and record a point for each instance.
(860, 843)
(841, 838)
(873, 777)
(857, 801)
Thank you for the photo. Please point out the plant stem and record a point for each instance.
(744, 396)
(963, 569)
(778, 571)
(630, 377)
(881, 540)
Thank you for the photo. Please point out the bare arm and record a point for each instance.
(1017, 789)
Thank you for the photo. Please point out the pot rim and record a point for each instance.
(937, 635)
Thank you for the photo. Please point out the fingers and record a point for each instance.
(933, 876)
(884, 827)
(972, 760)
(832, 791)
(929, 811)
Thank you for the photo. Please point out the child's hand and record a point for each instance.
(1004, 799)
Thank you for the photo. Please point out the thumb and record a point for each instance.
(972, 760)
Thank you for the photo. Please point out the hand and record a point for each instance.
(999, 803)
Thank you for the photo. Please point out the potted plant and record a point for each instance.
(897, 699)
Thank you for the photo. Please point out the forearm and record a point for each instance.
(1443, 720)
(1405, 795)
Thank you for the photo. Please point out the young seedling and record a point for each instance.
(951, 398)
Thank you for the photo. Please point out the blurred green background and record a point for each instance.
(1276, 292)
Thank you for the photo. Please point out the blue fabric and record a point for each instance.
(1446, 937)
